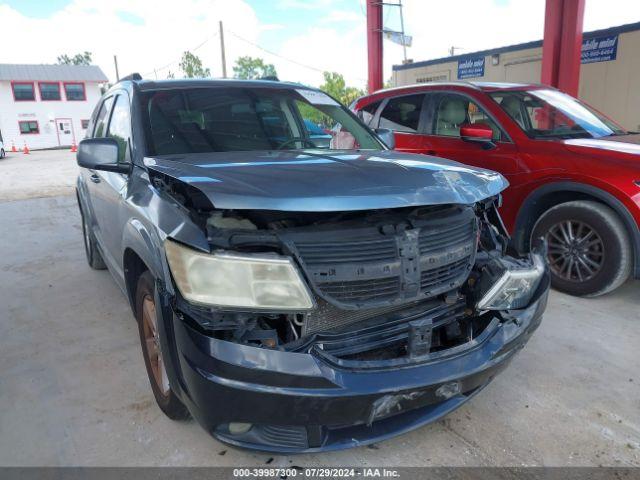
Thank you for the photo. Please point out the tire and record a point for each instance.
(94, 258)
(2, 153)
(590, 253)
(166, 399)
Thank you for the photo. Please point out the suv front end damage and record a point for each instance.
(308, 331)
(296, 292)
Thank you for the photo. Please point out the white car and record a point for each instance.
(2, 152)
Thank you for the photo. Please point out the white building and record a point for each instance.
(47, 106)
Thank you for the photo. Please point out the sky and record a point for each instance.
(302, 38)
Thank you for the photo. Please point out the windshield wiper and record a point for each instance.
(620, 134)
(566, 135)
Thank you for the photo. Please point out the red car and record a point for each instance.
(574, 174)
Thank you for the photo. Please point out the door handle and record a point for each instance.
(432, 152)
(95, 178)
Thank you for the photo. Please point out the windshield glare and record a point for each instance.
(223, 119)
(553, 114)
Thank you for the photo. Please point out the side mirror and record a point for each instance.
(387, 137)
(100, 154)
(477, 132)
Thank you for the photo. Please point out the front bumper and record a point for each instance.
(299, 402)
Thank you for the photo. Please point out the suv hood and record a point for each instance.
(622, 144)
(317, 181)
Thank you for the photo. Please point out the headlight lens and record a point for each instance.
(228, 280)
(515, 287)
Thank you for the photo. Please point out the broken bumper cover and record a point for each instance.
(298, 402)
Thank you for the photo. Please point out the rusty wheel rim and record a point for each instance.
(152, 342)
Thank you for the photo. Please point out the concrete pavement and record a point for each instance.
(73, 387)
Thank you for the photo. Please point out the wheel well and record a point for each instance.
(133, 268)
(532, 210)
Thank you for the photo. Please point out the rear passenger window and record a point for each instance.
(368, 112)
(402, 114)
(102, 118)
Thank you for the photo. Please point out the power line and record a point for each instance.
(280, 56)
(273, 53)
(164, 67)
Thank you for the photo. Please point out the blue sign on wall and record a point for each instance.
(471, 67)
(599, 49)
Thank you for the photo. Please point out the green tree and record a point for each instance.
(248, 68)
(78, 59)
(191, 66)
(335, 85)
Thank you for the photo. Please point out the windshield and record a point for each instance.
(553, 114)
(226, 119)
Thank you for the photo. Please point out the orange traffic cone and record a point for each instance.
(74, 148)
(13, 147)
(25, 150)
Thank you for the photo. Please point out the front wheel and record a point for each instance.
(147, 319)
(2, 154)
(589, 249)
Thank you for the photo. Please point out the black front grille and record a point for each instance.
(290, 436)
(384, 264)
(448, 275)
(362, 290)
(327, 253)
(432, 240)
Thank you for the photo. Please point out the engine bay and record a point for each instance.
(387, 285)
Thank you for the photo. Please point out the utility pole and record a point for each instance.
(404, 43)
(115, 61)
(224, 60)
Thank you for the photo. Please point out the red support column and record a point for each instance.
(551, 42)
(374, 45)
(562, 44)
(571, 49)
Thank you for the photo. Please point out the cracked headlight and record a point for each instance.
(261, 281)
(510, 284)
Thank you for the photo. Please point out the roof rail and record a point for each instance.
(133, 76)
(425, 84)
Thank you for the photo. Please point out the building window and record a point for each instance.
(29, 127)
(74, 91)
(49, 91)
(23, 91)
(85, 124)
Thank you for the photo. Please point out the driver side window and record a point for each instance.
(453, 111)
(120, 127)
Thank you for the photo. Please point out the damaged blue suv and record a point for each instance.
(291, 294)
